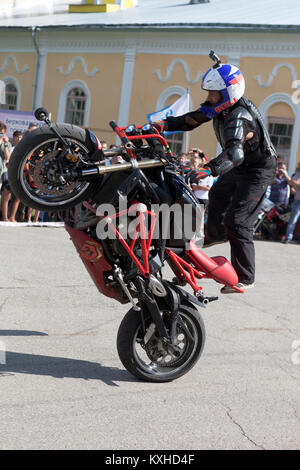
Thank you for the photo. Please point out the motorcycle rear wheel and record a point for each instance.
(153, 362)
(36, 153)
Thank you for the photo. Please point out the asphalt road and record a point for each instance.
(63, 386)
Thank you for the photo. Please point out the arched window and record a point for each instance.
(11, 96)
(281, 132)
(74, 103)
(283, 118)
(76, 106)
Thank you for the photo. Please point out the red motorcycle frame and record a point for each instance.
(199, 266)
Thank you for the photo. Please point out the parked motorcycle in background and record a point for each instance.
(271, 221)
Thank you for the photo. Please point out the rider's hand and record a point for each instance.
(160, 126)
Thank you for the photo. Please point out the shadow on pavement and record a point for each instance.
(61, 367)
(21, 333)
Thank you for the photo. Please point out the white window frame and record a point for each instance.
(64, 96)
(287, 99)
(287, 122)
(13, 81)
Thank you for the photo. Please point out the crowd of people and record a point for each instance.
(12, 210)
(284, 195)
(284, 192)
(195, 158)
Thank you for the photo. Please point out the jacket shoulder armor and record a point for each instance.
(234, 124)
(238, 113)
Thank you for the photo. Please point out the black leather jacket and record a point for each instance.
(232, 127)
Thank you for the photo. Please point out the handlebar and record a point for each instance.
(113, 124)
(154, 135)
(124, 139)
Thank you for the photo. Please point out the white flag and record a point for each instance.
(181, 106)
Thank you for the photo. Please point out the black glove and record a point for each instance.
(219, 165)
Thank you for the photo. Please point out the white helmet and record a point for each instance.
(228, 81)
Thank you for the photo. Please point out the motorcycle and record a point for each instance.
(58, 166)
(271, 221)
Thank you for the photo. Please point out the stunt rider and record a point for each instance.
(244, 168)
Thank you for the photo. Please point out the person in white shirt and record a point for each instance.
(201, 190)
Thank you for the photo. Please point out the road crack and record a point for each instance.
(228, 412)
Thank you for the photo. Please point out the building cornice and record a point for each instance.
(192, 43)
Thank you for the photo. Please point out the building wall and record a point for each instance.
(270, 80)
(100, 74)
(128, 74)
(19, 67)
(282, 110)
(156, 73)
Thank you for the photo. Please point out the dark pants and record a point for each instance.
(234, 203)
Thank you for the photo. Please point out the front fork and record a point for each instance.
(148, 303)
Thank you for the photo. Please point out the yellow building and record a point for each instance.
(122, 63)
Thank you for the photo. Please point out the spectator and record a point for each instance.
(297, 170)
(295, 213)
(30, 128)
(183, 159)
(7, 195)
(194, 158)
(103, 144)
(29, 215)
(17, 136)
(5, 149)
(5, 145)
(28, 210)
(202, 189)
(279, 194)
(117, 159)
(293, 190)
(202, 157)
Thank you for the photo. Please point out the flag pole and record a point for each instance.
(187, 135)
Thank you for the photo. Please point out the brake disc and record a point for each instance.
(159, 352)
(45, 175)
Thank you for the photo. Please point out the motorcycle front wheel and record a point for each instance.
(147, 357)
(34, 171)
